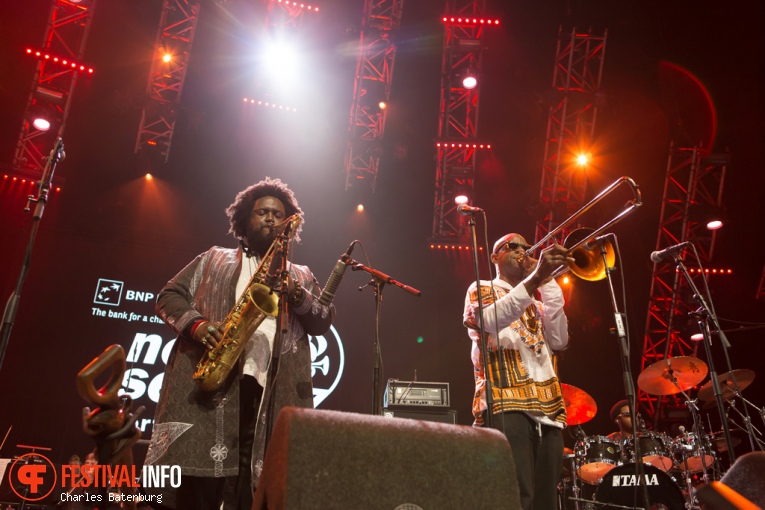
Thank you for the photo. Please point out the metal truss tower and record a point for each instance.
(693, 184)
(457, 140)
(570, 127)
(177, 25)
(371, 91)
(58, 68)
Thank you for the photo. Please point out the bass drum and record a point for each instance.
(620, 488)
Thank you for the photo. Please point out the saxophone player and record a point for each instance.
(218, 437)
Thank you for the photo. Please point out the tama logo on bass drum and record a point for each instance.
(632, 480)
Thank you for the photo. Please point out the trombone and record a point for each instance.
(588, 264)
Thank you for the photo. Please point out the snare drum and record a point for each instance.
(620, 487)
(597, 456)
(655, 448)
(690, 452)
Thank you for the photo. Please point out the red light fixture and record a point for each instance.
(470, 21)
(268, 104)
(461, 145)
(48, 56)
(312, 8)
(453, 247)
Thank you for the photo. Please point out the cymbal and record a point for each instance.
(686, 370)
(744, 378)
(580, 407)
(718, 440)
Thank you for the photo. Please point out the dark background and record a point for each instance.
(108, 222)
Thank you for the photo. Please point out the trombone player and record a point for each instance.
(522, 332)
(218, 437)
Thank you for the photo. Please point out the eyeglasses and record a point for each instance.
(512, 246)
(625, 414)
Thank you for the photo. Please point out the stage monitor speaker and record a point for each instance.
(442, 417)
(329, 459)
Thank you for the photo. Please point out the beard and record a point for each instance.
(261, 240)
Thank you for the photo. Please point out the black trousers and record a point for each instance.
(538, 454)
(234, 492)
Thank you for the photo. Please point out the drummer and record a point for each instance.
(620, 413)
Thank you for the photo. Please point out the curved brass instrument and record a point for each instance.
(257, 301)
(588, 262)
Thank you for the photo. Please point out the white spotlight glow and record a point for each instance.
(41, 124)
(280, 64)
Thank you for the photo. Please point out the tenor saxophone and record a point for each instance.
(257, 301)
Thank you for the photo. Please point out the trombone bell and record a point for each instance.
(588, 259)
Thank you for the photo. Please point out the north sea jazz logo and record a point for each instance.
(327, 364)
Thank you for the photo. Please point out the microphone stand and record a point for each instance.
(9, 316)
(282, 323)
(488, 391)
(629, 386)
(703, 316)
(379, 279)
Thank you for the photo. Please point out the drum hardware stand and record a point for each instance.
(698, 429)
(574, 481)
(704, 315)
(629, 386)
(597, 504)
(750, 429)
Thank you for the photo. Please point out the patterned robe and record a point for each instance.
(200, 430)
(522, 333)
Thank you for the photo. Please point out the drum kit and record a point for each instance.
(601, 471)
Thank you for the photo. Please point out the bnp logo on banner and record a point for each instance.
(124, 303)
(108, 292)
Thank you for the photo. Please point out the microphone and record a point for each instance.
(465, 209)
(333, 282)
(660, 255)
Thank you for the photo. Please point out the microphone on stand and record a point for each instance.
(465, 209)
(333, 282)
(660, 255)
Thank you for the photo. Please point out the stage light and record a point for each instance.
(360, 208)
(583, 159)
(280, 65)
(470, 79)
(259, 102)
(382, 105)
(461, 192)
(697, 337)
(41, 124)
(711, 216)
(166, 58)
(54, 58)
(148, 177)
(714, 224)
